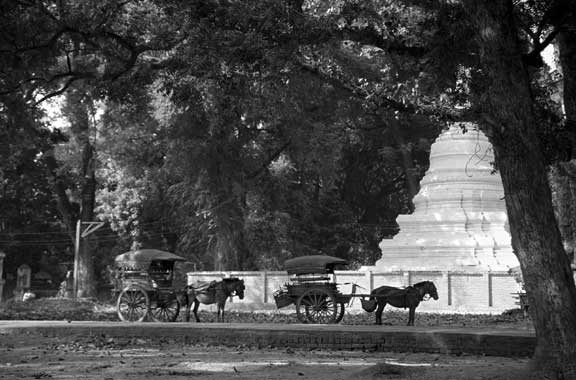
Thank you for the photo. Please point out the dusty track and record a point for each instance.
(33, 355)
(477, 341)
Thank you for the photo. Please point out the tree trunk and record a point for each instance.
(563, 174)
(59, 188)
(228, 251)
(567, 47)
(86, 278)
(507, 105)
(228, 248)
(77, 109)
(225, 185)
(562, 179)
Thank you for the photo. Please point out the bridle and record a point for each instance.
(425, 289)
(234, 291)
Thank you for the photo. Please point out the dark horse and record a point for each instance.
(208, 293)
(409, 297)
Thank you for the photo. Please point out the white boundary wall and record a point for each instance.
(459, 292)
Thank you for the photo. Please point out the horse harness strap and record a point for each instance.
(406, 291)
(203, 286)
(422, 294)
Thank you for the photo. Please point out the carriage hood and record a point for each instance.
(313, 264)
(143, 257)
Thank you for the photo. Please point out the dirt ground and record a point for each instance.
(38, 357)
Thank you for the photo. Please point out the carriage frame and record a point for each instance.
(313, 291)
(144, 286)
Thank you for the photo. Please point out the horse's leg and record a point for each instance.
(183, 301)
(221, 305)
(185, 298)
(411, 316)
(187, 311)
(196, 305)
(379, 310)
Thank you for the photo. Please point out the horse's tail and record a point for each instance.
(186, 296)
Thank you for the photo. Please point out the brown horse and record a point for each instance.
(208, 293)
(409, 297)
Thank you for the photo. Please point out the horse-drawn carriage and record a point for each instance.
(145, 286)
(312, 289)
(318, 299)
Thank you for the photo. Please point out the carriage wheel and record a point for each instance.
(317, 305)
(167, 308)
(340, 312)
(133, 304)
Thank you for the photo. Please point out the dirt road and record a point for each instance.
(37, 357)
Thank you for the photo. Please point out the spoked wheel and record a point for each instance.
(317, 306)
(166, 308)
(340, 309)
(133, 304)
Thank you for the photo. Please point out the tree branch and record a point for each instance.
(59, 91)
(361, 94)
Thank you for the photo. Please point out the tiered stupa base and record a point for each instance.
(460, 220)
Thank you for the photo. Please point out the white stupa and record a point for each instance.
(460, 220)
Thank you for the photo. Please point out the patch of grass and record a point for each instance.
(56, 309)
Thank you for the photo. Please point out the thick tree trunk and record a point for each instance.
(562, 177)
(507, 106)
(563, 174)
(228, 249)
(226, 188)
(567, 46)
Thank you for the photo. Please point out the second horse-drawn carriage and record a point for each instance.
(313, 291)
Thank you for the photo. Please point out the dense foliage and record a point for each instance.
(237, 135)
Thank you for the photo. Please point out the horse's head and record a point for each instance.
(235, 286)
(431, 290)
(427, 288)
(240, 289)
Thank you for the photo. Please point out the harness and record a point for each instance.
(203, 286)
(424, 293)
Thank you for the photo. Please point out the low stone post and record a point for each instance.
(23, 279)
(66, 289)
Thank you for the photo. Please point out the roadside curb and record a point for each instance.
(454, 341)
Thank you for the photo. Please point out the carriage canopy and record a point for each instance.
(142, 258)
(315, 264)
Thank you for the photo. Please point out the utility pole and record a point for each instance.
(90, 227)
